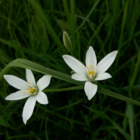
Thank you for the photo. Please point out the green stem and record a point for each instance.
(64, 89)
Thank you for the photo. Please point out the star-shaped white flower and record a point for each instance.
(92, 71)
(28, 89)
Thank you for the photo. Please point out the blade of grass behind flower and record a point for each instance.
(19, 48)
(106, 117)
(122, 28)
(41, 13)
(130, 115)
(72, 22)
(89, 14)
(66, 9)
(136, 71)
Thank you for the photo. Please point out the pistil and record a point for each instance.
(91, 72)
(32, 90)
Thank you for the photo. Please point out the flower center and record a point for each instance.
(32, 90)
(91, 72)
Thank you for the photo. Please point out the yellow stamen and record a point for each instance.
(32, 90)
(91, 73)
(29, 82)
(23, 92)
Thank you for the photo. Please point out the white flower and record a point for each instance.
(28, 89)
(92, 71)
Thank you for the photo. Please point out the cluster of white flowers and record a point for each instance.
(89, 73)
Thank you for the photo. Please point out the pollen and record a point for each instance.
(91, 73)
(32, 90)
(29, 82)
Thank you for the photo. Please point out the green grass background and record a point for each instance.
(32, 30)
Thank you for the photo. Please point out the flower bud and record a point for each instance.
(67, 42)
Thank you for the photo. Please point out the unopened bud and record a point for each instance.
(67, 42)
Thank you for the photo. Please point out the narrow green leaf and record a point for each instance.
(22, 49)
(130, 115)
(87, 17)
(105, 116)
(118, 96)
(72, 21)
(125, 134)
(41, 13)
(136, 71)
(66, 9)
(3, 122)
(122, 28)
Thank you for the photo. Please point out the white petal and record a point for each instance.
(74, 64)
(16, 82)
(91, 57)
(28, 108)
(42, 98)
(79, 77)
(106, 62)
(90, 89)
(30, 77)
(18, 95)
(102, 76)
(43, 82)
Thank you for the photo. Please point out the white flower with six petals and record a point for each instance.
(92, 71)
(28, 89)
